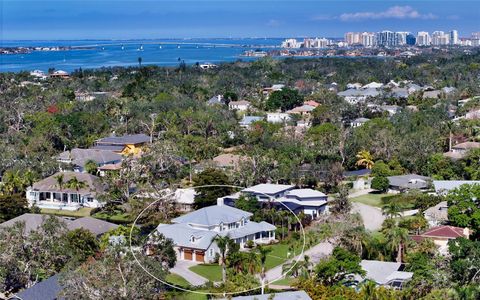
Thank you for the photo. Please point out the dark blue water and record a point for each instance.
(109, 53)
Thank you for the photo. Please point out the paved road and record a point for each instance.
(315, 253)
(372, 216)
(181, 268)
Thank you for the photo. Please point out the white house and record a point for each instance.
(278, 117)
(58, 192)
(359, 122)
(193, 234)
(241, 105)
(308, 201)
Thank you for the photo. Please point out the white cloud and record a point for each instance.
(394, 12)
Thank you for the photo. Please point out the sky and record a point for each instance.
(124, 19)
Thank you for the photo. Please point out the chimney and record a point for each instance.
(466, 232)
(220, 201)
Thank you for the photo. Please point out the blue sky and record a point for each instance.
(122, 19)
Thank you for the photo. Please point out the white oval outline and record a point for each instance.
(301, 255)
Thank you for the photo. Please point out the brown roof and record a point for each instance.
(228, 160)
(467, 145)
(450, 232)
(49, 184)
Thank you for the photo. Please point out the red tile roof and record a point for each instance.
(450, 232)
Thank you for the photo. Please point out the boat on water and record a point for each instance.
(141, 48)
(160, 47)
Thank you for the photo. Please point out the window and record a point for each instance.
(210, 252)
(192, 239)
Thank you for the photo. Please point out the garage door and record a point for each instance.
(200, 256)
(187, 254)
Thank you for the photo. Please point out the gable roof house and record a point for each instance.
(48, 193)
(359, 122)
(437, 215)
(228, 161)
(282, 196)
(302, 110)
(383, 273)
(193, 234)
(461, 150)
(217, 100)
(407, 182)
(77, 158)
(354, 96)
(127, 144)
(47, 289)
(441, 235)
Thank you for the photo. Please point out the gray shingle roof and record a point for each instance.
(268, 188)
(124, 140)
(305, 193)
(382, 272)
(443, 186)
(409, 181)
(44, 290)
(95, 226)
(248, 229)
(32, 221)
(181, 235)
(213, 215)
(296, 295)
(49, 184)
(80, 156)
(115, 148)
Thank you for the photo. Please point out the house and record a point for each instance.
(34, 221)
(473, 114)
(461, 150)
(48, 193)
(217, 100)
(437, 215)
(442, 187)
(407, 182)
(440, 235)
(193, 234)
(311, 103)
(77, 158)
(282, 196)
(274, 88)
(435, 94)
(391, 109)
(241, 105)
(206, 66)
(399, 93)
(359, 122)
(47, 289)
(355, 85)
(247, 121)
(354, 96)
(103, 170)
(228, 161)
(302, 110)
(59, 74)
(38, 74)
(384, 273)
(372, 85)
(278, 117)
(293, 295)
(126, 144)
(184, 199)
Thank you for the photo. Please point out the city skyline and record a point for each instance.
(206, 19)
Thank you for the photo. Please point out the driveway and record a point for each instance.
(372, 216)
(316, 253)
(181, 268)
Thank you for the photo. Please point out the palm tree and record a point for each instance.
(223, 243)
(60, 181)
(76, 184)
(251, 261)
(392, 209)
(365, 159)
(263, 253)
(396, 238)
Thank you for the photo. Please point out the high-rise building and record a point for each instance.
(453, 37)
(368, 39)
(411, 39)
(290, 43)
(321, 43)
(401, 37)
(476, 35)
(423, 38)
(353, 38)
(387, 38)
(440, 38)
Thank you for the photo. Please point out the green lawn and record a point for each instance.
(283, 281)
(209, 271)
(279, 255)
(177, 280)
(82, 212)
(371, 199)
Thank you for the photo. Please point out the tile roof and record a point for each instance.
(32, 221)
(80, 156)
(443, 186)
(450, 232)
(268, 188)
(382, 271)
